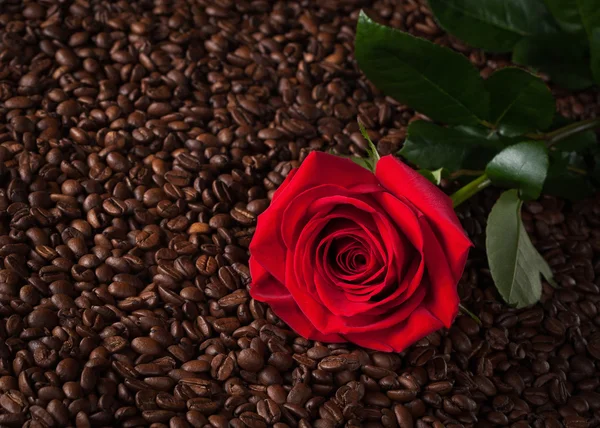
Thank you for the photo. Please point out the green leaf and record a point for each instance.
(434, 176)
(595, 53)
(589, 12)
(577, 143)
(373, 153)
(520, 102)
(596, 170)
(431, 79)
(515, 264)
(565, 183)
(590, 15)
(364, 162)
(523, 166)
(493, 25)
(491, 135)
(566, 13)
(431, 146)
(564, 57)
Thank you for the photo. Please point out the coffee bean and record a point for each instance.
(402, 395)
(575, 422)
(196, 366)
(403, 416)
(146, 345)
(13, 401)
(277, 393)
(299, 394)
(169, 402)
(204, 406)
(222, 366)
(252, 420)
(40, 414)
(269, 411)
(41, 318)
(339, 363)
(250, 360)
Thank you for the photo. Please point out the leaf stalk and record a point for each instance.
(465, 192)
(560, 134)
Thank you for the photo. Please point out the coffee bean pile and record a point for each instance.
(140, 140)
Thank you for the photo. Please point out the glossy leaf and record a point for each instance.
(431, 146)
(493, 25)
(581, 15)
(566, 13)
(595, 53)
(596, 170)
(575, 143)
(590, 16)
(431, 79)
(514, 262)
(565, 58)
(364, 162)
(434, 176)
(523, 166)
(520, 102)
(491, 135)
(565, 183)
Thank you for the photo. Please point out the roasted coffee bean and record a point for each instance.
(146, 345)
(403, 416)
(339, 363)
(252, 420)
(269, 411)
(250, 360)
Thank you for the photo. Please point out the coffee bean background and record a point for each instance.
(140, 140)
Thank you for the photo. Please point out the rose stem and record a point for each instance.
(559, 134)
(569, 130)
(470, 189)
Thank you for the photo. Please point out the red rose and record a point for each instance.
(343, 254)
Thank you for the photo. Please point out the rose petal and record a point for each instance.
(401, 180)
(352, 280)
(265, 288)
(397, 338)
(318, 202)
(284, 185)
(443, 298)
(366, 321)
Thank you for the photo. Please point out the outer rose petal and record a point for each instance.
(398, 337)
(265, 288)
(401, 180)
(285, 184)
(443, 300)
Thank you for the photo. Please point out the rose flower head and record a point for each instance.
(346, 255)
